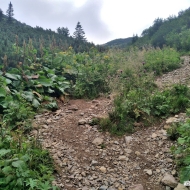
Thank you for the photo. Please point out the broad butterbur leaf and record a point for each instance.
(18, 163)
(44, 81)
(185, 174)
(13, 76)
(6, 170)
(35, 103)
(2, 92)
(3, 152)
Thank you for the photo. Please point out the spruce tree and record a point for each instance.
(63, 31)
(10, 11)
(1, 14)
(79, 33)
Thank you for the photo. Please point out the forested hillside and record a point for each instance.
(15, 32)
(173, 31)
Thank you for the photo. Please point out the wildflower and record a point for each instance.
(143, 63)
(106, 57)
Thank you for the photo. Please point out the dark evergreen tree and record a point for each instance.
(135, 38)
(1, 14)
(63, 31)
(10, 11)
(79, 33)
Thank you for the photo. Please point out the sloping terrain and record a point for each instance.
(86, 158)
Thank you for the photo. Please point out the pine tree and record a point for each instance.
(79, 33)
(1, 14)
(10, 11)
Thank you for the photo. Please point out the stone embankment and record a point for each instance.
(181, 75)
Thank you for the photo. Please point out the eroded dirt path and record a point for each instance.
(110, 162)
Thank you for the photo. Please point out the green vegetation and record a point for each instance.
(181, 133)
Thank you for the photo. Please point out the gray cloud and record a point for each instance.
(53, 14)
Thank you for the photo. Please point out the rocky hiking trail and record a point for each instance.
(87, 159)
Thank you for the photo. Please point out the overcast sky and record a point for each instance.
(102, 20)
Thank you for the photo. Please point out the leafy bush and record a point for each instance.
(140, 104)
(24, 165)
(162, 60)
(182, 149)
(92, 79)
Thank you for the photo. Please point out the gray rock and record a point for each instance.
(97, 141)
(128, 139)
(149, 172)
(136, 187)
(82, 122)
(103, 187)
(181, 187)
(123, 158)
(170, 120)
(169, 180)
(94, 163)
(111, 188)
(74, 108)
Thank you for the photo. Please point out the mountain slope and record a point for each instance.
(173, 31)
(121, 42)
(19, 33)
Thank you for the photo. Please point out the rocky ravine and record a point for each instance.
(87, 159)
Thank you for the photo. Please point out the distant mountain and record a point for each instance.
(121, 42)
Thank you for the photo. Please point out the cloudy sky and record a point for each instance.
(102, 20)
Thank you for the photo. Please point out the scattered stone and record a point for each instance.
(170, 120)
(169, 180)
(110, 188)
(167, 127)
(74, 108)
(97, 141)
(123, 158)
(82, 122)
(103, 169)
(149, 172)
(181, 187)
(136, 187)
(94, 163)
(128, 151)
(137, 153)
(128, 139)
(103, 187)
(154, 135)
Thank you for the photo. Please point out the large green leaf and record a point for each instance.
(6, 170)
(44, 81)
(13, 76)
(18, 163)
(4, 152)
(2, 92)
(35, 103)
(28, 95)
(185, 174)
